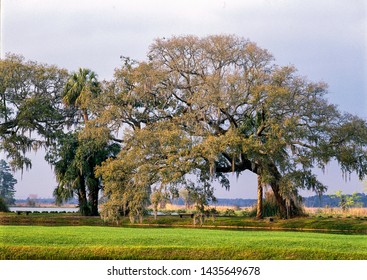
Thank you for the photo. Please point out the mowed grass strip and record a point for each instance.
(91, 242)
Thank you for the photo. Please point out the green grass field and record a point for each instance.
(97, 242)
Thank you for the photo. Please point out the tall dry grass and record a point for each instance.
(337, 212)
(325, 211)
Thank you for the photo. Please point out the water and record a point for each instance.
(42, 209)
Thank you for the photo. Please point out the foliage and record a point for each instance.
(347, 201)
(229, 212)
(205, 107)
(80, 89)
(7, 183)
(31, 108)
(74, 160)
(196, 110)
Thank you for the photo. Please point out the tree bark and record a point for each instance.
(287, 210)
(82, 197)
(93, 188)
(93, 200)
(281, 202)
(259, 209)
(85, 116)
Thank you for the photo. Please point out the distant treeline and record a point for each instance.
(327, 200)
(311, 201)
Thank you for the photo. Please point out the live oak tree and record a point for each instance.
(31, 110)
(205, 107)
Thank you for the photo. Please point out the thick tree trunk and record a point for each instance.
(259, 209)
(287, 210)
(93, 200)
(281, 202)
(82, 197)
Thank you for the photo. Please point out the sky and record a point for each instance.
(324, 39)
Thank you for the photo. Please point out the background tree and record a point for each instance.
(347, 201)
(186, 196)
(7, 183)
(159, 199)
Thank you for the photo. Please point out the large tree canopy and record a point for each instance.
(215, 105)
(31, 110)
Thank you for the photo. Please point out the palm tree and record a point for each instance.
(75, 174)
(79, 89)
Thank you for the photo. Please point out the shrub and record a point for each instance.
(245, 213)
(229, 212)
(270, 205)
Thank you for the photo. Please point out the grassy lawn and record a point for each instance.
(100, 242)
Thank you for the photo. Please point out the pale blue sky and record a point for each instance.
(325, 39)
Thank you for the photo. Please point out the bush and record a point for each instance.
(245, 213)
(270, 209)
(3, 206)
(229, 212)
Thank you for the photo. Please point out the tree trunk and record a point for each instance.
(287, 210)
(293, 209)
(259, 209)
(85, 116)
(82, 197)
(93, 198)
(281, 202)
(4, 105)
